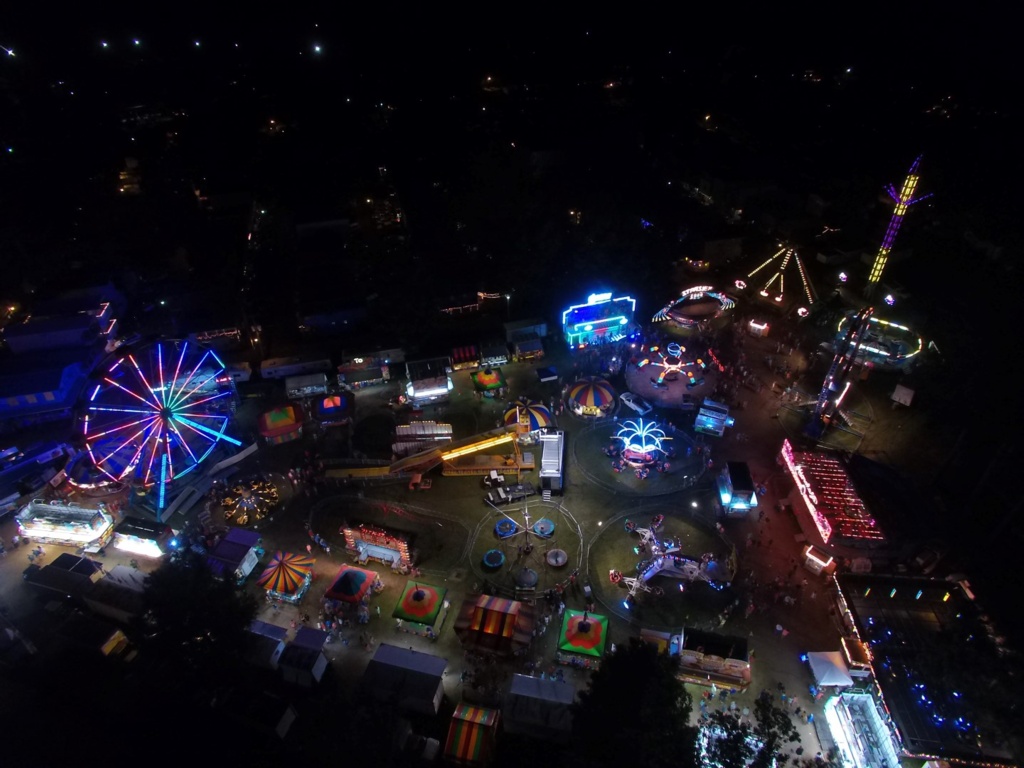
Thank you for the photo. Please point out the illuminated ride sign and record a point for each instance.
(602, 319)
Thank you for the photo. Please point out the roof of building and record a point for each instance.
(913, 626)
(739, 474)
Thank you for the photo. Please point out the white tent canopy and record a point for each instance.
(829, 668)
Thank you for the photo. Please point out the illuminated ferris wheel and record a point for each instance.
(157, 413)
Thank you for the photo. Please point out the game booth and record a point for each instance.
(421, 610)
(288, 576)
(582, 641)
(281, 425)
(495, 625)
(591, 397)
(471, 735)
(334, 410)
(371, 543)
(236, 555)
(528, 416)
(706, 658)
(488, 381)
(65, 523)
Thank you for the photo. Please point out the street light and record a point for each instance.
(508, 304)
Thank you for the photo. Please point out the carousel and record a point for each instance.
(288, 576)
(591, 397)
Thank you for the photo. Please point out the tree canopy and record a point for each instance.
(192, 619)
(635, 712)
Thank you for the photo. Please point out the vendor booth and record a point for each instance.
(281, 425)
(288, 576)
(537, 707)
(147, 538)
(422, 609)
(736, 489)
(582, 640)
(488, 381)
(495, 625)
(237, 554)
(471, 735)
(707, 658)
(409, 680)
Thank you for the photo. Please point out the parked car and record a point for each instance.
(636, 402)
(510, 493)
(519, 492)
(497, 496)
(689, 403)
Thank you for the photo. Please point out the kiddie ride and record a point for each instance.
(661, 557)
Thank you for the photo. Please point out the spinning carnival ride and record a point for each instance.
(671, 362)
(157, 413)
(784, 260)
(694, 306)
(660, 558)
(641, 442)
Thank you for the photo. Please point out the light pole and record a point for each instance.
(508, 304)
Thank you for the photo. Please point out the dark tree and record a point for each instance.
(774, 729)
(192, 620)
(829, 760)
(635, 712)
(730, 742)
